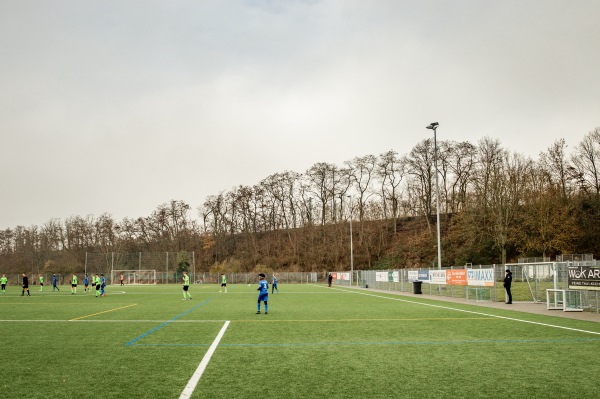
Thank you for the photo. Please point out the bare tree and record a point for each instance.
(322, 177)
(500, 186)
(362, 170)
(461, 164)
(586, 163)
(555, 162)
(421, 169)
(391, 170)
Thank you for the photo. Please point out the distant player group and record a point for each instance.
(98, 282)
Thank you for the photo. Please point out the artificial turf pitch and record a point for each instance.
(316, 342)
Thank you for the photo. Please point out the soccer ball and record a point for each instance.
(248, 285)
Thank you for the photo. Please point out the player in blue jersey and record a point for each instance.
(263, 293)
(55, 283)
(274, 285)
(86, 283)
(102, 285)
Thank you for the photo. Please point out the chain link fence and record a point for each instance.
(530, 280)
(529, 284)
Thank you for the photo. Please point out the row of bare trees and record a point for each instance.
(495, 205)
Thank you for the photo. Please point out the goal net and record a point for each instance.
(133, 277)
(566, 300)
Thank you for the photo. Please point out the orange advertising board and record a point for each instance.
(456, 277)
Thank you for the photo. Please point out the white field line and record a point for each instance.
(472, 312)
(191, 385)
(111, 321)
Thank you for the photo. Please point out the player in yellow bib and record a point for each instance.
(74, 284)
(41, 283)
(97, 285)
(186, 287)
(223, 283)
(3, 281)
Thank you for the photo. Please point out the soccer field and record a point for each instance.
(316, 342)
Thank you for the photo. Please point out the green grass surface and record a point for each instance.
(316, 342)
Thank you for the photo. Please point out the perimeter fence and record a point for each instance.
(529, 284)
(530, 280)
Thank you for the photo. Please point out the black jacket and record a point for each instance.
(508, 280)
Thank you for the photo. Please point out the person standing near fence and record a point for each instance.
(263, 293)
(274, 285)
(186, 287)
(507, 284)
(329, 279)
(122, 280)
(3, 281)
(223, 283)
(25, 285)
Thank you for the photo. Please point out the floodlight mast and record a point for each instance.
(433, 126)
(351, 248)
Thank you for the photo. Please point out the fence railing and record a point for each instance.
(529, 284)
(530, 280)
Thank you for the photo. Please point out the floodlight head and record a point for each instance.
(433, 125)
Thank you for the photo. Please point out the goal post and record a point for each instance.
(565, 300)
(133, 277)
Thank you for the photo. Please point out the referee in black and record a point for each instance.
(507, 284)
(25, 285)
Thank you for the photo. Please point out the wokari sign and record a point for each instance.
(584, 277)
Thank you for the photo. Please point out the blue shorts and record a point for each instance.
(263, 296)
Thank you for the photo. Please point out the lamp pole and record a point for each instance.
(351, 248)
(433, 126)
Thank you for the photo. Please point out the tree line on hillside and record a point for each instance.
(495, 206)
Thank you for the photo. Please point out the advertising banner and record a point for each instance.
(480, 277)
(388, 277)
(584, 277)
(423, 275)
(413, 275)
(456, 277)
(437, 276)
(341, 276)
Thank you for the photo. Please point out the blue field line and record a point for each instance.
(167, 322)
(382, 343)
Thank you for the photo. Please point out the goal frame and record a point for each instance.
(133, 277)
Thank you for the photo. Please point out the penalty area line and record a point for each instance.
(191, 385)
(106, 311)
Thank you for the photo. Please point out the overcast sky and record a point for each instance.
(120, 106)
